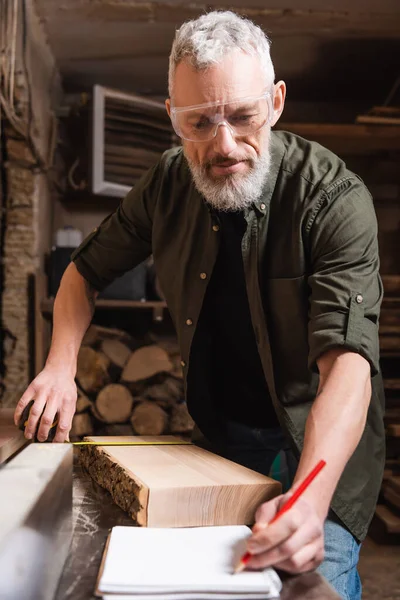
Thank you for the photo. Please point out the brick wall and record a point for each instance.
(28, 202)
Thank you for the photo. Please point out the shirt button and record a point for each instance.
(262, 206)
(359, 298)
(203, 275)
(215, 227)
(183, 364)
(189, 322)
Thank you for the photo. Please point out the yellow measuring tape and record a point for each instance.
(160, 443)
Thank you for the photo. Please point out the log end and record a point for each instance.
(128, 494)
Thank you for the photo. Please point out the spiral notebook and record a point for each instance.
(193, 563)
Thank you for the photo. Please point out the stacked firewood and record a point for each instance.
(129, 389)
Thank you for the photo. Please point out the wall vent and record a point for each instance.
(130, 133)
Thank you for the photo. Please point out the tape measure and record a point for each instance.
(158, 443)
(23, 422)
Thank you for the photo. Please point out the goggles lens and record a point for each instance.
(244, 117)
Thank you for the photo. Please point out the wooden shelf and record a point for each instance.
(348, 138)
(157, 306)
(391, 285)
(391, 384)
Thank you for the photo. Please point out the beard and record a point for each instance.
(235, 191)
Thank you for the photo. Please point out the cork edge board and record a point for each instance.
(126, 475)
(99, 462)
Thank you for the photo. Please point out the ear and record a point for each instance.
(278, 101)
(168, 106)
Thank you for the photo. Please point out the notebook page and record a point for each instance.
(194, 596)
(197, 559)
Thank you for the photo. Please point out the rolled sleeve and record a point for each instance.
(346, 289)
(123, 239)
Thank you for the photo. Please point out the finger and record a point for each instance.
(265, 513)
(65, 421)
(26, 397)
(311, 531)
(273, 535)
(34, 415)
(48, 417)
(306, 559)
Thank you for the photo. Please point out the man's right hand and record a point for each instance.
(53, 392)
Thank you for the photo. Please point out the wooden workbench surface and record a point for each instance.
(94, 515)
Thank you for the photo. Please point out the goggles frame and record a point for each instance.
(181, 109)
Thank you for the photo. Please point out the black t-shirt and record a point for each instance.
(224, 344)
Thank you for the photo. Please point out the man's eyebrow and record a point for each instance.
(245, 107)
(195, 114)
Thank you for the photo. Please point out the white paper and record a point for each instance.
(186, 596)
(182, 563)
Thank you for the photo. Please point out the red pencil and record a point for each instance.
(296, 495)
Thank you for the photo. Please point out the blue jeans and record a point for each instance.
(256, 449)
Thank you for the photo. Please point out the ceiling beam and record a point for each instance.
(280, 21)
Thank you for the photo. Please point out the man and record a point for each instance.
(265, 247)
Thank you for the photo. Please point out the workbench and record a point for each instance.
(94, 514)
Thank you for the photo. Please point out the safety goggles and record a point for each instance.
(243, 117)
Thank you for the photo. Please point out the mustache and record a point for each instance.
(223, 160)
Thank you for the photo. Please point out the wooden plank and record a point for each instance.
(389, 343)
(11, 439)
(394, 482)
(375, 120)
(176, 486)
(35, 521)
(392, 496)
(391, 285)
(389, 520)
(389, 317)
(394, 430)
(392, 416)
(392, 473)
(391, 384)
(347, 138)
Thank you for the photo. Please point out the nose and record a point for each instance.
(224, 141)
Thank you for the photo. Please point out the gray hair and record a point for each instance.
(206, 40)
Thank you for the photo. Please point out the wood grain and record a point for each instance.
(11, 438)
(176, 486)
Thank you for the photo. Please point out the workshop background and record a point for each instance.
(82, 86)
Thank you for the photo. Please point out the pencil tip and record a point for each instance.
(239, 568)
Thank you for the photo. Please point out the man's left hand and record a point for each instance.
(294, 543)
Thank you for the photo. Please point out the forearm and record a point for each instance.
(73, 312)
(335, 423)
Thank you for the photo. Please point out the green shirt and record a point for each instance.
(311, 262)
